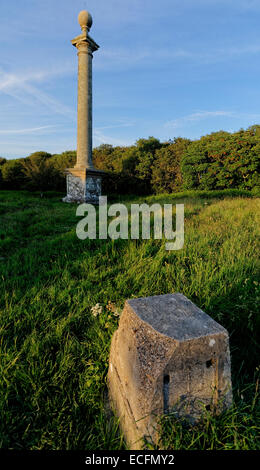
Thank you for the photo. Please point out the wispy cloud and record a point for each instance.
(121, 123)
(31, 130)
(201, 115)
(20, 86)
(20, 77)
(124, 58)
(100, 138)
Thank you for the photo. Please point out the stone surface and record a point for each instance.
(85, 20)
(84, 181)
(83, 185)
(166, 356)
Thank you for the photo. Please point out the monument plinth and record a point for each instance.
(84, 181)
(167, 356)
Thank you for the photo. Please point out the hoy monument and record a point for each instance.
(83, 180)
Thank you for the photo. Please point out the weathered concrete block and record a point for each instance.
(167, 355)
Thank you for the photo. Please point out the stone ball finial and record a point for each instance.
(85, 20)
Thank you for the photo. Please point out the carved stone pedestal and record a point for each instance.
(83, 185)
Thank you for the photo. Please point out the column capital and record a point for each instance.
(85, 40)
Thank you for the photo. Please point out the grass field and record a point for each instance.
(54, 352)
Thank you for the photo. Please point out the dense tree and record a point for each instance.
(12, 174)
(40, 174)
(64, 160)
(128, 168)
(223, 160)
(216, 161)
(102, 157)
(39, 156)
(2, 161)
(145, 153)
(166, 171)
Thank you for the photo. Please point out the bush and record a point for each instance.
(166, 171)
(12, 174)
(64, 160)
(40, 174)
(222, 160)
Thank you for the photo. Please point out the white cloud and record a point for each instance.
(20, 77)
(121, 123)
(200, 115)
(124, 58)
(19, 86)
(100, 138)
(31, 130)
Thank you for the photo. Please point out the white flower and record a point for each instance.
(116, 313)
(96, 310)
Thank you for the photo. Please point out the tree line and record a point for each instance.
(219, 160)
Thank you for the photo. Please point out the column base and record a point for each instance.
(83, 185)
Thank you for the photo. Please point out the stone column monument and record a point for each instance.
(84, 181)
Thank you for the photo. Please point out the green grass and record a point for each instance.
(54, 352)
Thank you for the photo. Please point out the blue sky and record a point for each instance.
(164, 68)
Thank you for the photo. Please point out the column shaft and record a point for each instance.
(84, 131)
